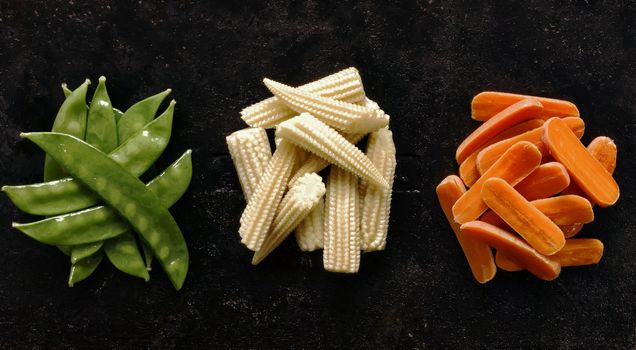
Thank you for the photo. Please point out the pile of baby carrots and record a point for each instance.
(531, 187)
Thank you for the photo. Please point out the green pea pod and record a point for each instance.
(139, 114)
(102, 222)
(123, 253)
(116, 112)
(82, 251)
(147, 255)
(126, 194)
(84, 268)
(70, 119)
(135, 155)
(101, 129)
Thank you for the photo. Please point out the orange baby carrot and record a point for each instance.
(575, 252)
(488, 103)
(580, 251)
(505, 263)
(545, 181)
(478, 254)
(562, 210)
(514, 114)
(586, 171)
(604, 150)
(528, 221)
(468, 170)
(489, 155)
(515, 164)
(513, 246)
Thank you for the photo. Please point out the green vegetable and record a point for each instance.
(139, 114)
(82, 251)
(70, 119)
(123, 252)
(101, 129)
(84, 268)
(102, 222)
(126, 194)
(135, 155)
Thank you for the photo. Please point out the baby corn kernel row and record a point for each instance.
(526, 187)
(318, 126)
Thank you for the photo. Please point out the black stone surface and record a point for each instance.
(422, 61)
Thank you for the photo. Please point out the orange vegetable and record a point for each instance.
(511, 245)
(489, 155)
(505, 263)
(488, 103)
(515, 164)
(604, 150)
(579, 251)
(478, 254)
(566, 210)
(523, 217)
(468, 170)
(586, 171)
(545, 181)
(575, 252)
(514, 114)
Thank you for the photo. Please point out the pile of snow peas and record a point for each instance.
(92, 197)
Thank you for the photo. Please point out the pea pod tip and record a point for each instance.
(102, 79)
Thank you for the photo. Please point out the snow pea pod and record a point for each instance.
(116, 112)
(82, 251)
(123, 253)
(101, 129)
(66, 195)
(102, 222)
(126, 194)
(139, 114)
(84, 268)
(70, 119)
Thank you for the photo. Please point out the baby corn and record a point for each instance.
(295, 206)
(250, 151)
(318, 138)
(346, 117)
(375, 201)
(345, 85)
(309, 233)
(259, 213)
(342, 223)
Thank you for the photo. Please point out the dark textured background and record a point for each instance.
(422, 61)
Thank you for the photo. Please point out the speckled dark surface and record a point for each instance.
(422, 61)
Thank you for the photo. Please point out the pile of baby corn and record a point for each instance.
(532, 185)
(317, 125)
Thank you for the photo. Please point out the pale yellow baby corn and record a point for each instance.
(345, 85)
(317, 137)
(295, 206)
(314, 164)
(309, 233)
(376, 201)
(342, 223)
(250, 151)
(344, 116)
(259, 213)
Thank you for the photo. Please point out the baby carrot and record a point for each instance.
(586, 171)
(488, 103)
(604, 150)
(566, 210)
(512, 245)
(468, 170)
(505, 263)
(515, 164)
(478, 254)
(528, 221)
(489, 155)
(580, 251)
(545, 181)
(514, 114)
(490, 217)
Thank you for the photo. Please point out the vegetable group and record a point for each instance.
(96, 156)
(317, 125)
(526, 152)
